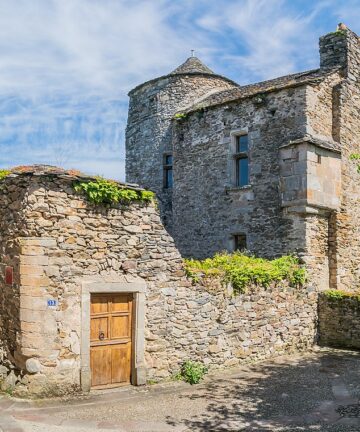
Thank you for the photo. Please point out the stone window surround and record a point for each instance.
(234, 134)
(230, 240)
(166, 168)
(138, 371)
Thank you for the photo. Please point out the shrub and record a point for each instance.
(4, 173)
(241, 270)
(180, 116)
(333, 294)
(103, 191)
(192, 372)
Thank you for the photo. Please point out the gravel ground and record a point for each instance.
(315, 392)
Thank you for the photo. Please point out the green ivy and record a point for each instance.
(241, 270)
(340, 295)
(103, 191)
(4, 173)
(192, 372)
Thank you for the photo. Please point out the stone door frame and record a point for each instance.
(138, 371)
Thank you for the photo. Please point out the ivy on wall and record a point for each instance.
(242, 270)
(102, 191)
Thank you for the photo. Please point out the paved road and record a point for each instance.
(319, 391)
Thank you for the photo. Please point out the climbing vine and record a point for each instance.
(241, 270)
(102, 191)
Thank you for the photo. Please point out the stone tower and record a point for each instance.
(151, 111)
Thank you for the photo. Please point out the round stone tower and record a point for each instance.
(149, 129)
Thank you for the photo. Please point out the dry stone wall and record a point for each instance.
(63, 240)
(339, 321)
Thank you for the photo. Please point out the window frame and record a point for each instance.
(236, 156)
(166, 168)
(235, 241)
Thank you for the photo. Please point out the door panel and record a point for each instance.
(120, 303)
(120, 327)
(100, 359)
(99, 325)
(120, 357)
(110, 339)
(99, 304)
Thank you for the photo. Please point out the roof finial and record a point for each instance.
(192, 53)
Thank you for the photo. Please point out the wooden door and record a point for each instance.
(110, 339)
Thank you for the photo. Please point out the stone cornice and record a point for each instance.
(330, 144)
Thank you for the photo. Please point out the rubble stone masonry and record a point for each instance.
(57, 240)
(339, 321)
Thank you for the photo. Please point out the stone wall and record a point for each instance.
(63, 240)
(207, 324)
(148, 133)
(288, 198)
(207, 207)
(339, 321)
(11, 224)
(346, 222)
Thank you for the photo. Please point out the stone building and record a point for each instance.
(264, 166)
(94, 296)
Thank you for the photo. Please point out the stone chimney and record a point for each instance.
(333, 48)
(341, 48)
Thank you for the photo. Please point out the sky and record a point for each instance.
(66, 66)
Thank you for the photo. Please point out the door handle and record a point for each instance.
(101, 335)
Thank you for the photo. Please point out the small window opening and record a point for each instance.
(241, 161)
(240, 242)
(168, 171)
(319, 159)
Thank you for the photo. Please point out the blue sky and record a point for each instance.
(67, 65)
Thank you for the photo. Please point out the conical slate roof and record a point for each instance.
(192, 65)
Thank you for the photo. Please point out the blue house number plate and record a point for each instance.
(52, 303)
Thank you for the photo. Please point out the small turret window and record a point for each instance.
(168, 171)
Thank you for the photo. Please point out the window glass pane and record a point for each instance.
(242, 172)
(169, 178)
(168, 160)
(242, 144)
